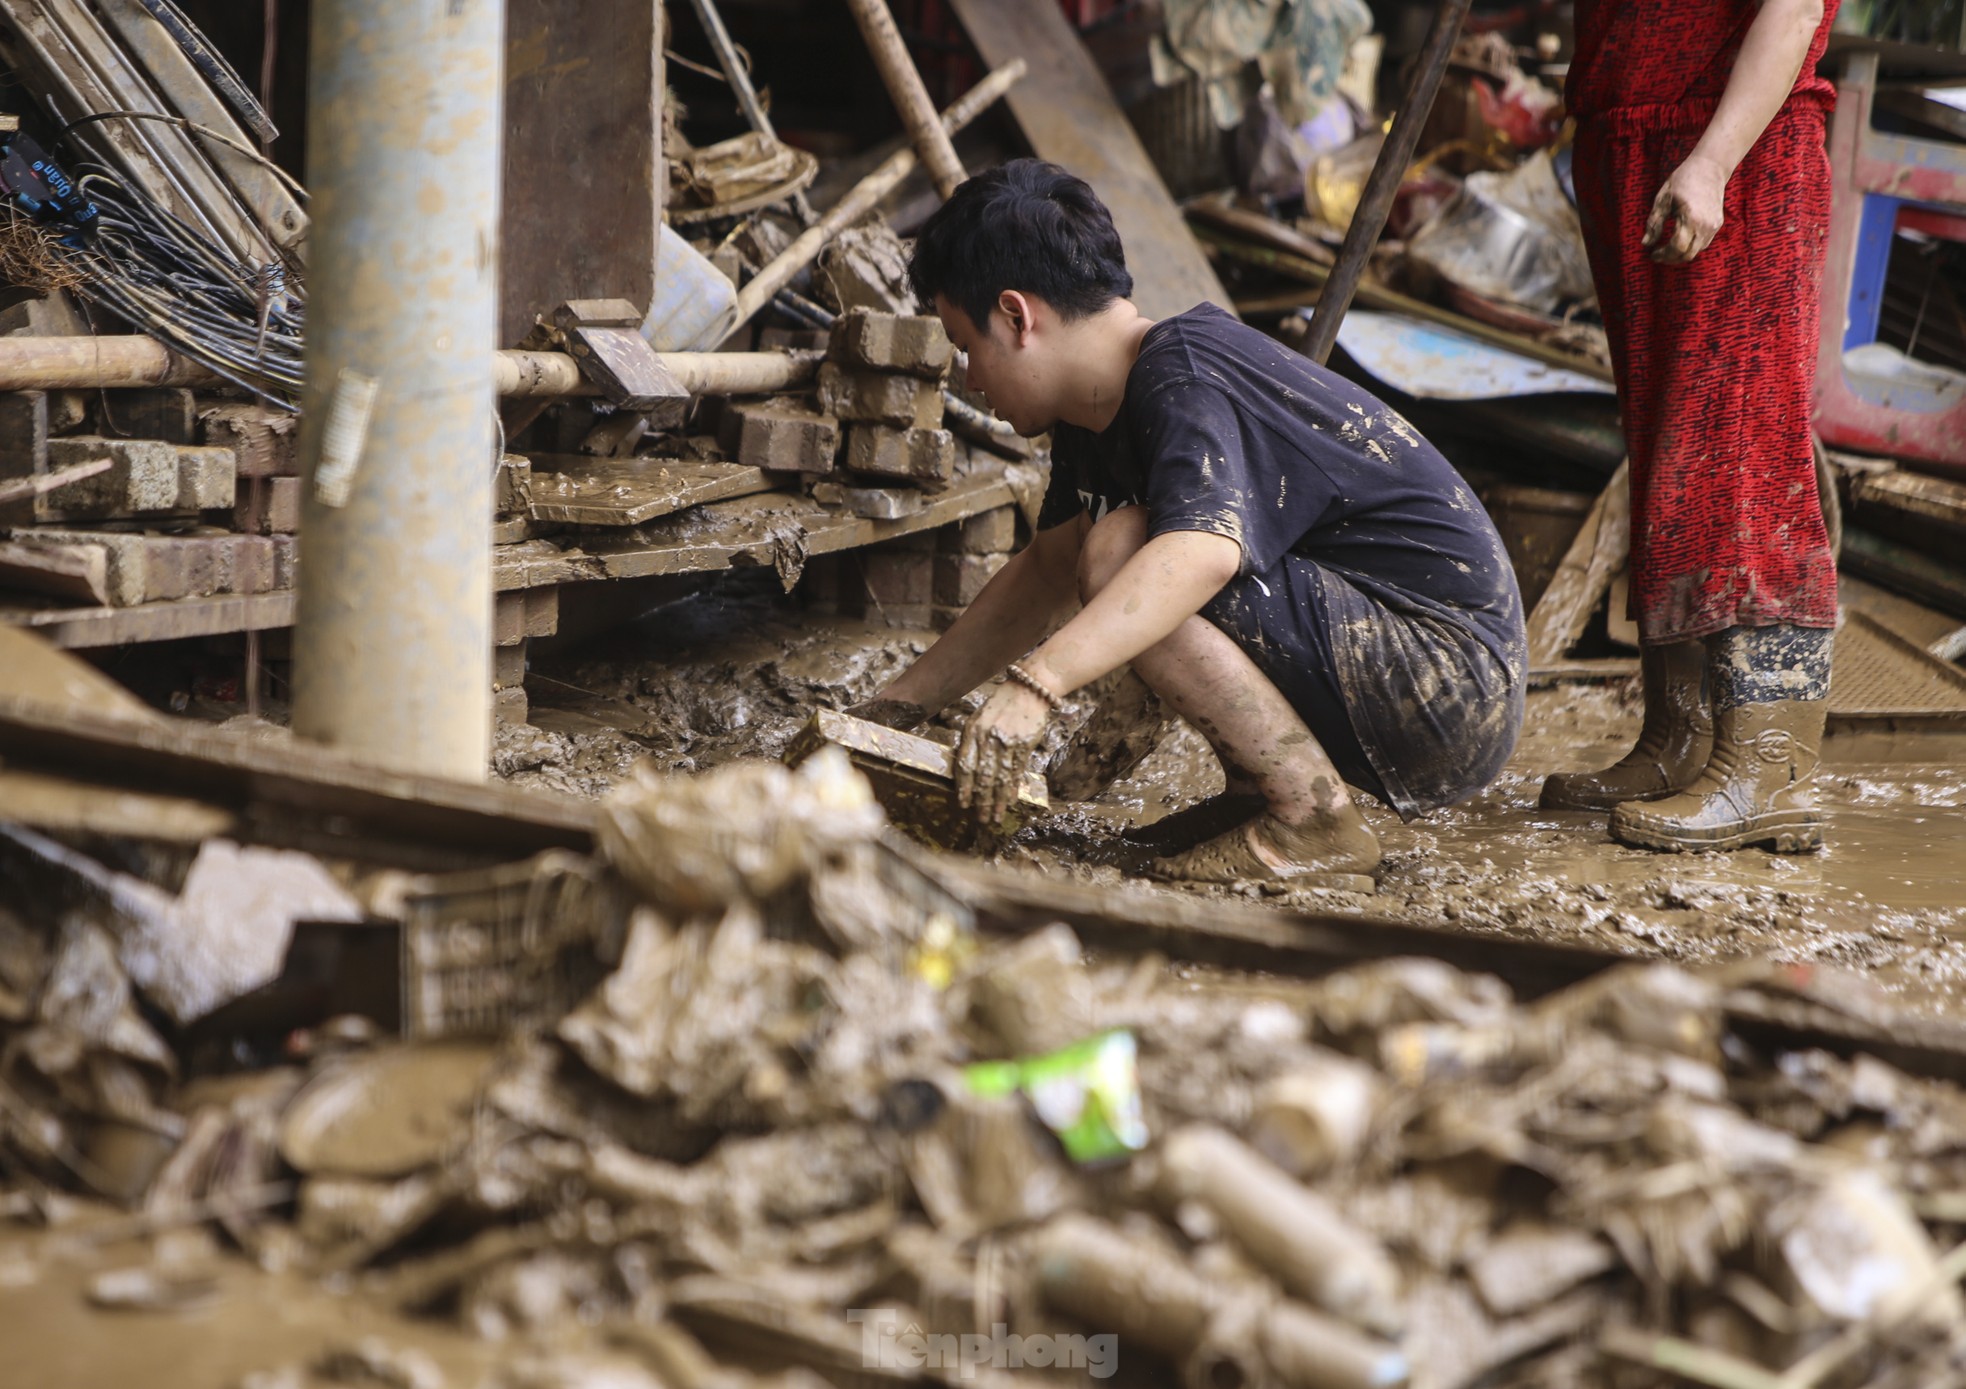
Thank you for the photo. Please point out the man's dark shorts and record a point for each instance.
(1411, 708)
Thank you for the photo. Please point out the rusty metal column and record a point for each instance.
(393, 638)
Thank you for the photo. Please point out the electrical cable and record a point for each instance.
(168, 280)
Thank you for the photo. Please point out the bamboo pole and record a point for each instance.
(911, 99)
(1382, 184)
(118, 363)
(862, 198)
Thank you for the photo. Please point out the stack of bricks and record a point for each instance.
(916, 581)
(192, 504)
(883, 380)
(875, 443)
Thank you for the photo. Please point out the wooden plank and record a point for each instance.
(1597, 554)
(584, 178)
(78, 628)
(577, 490)
(1913, 494)
(64, 804)
(31, 668)
(72, 573)
(15, 489)
(1070, 117)
(743, 531)
(294, 793)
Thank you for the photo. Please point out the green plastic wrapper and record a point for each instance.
(1087, 1093)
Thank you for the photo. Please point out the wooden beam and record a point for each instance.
(1069, 116)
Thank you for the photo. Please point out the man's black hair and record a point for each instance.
(1028, 226)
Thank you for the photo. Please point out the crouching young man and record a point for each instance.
(1279, 556)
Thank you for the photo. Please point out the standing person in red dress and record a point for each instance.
(1704, 187)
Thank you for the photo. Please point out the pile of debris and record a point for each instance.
(815, 1110)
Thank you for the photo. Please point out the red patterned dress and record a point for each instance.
(1715, 360)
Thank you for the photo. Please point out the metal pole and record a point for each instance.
(393, 634)
(1376, 201)
(739, 78)
(733, 66)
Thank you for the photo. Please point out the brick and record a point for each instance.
(68, 411)
(509, 666)
(169, 414)
(891, 578)
(913, 543)
(268, 506)
(156, 568)
(911, 343)
(875, 398)
(143, 477)
(993, 532)
(286, 562)
(925, 457)
(942, 617)
(959, 578)
(512, 487)
(510, 706)
(529, 612)
(123, 556)
(785, 438)
(252, 567)
(207, 479)
(881, 503)
(913, 617)
(23, 433)
(265, 442)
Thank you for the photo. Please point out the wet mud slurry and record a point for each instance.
(718, 678)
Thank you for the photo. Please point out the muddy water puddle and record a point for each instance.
(248, 1323)
(714, 679)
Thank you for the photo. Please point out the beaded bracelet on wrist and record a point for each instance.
(1016, 672)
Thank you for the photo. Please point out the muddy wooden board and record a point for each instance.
(762, 529)
(166, 621)
(70, 806)
(913, 777)
(584, 178)
(71, 573)
(1068, 114)
(1935, 499)
(1599, 551)
(577, 490)
(294, 794)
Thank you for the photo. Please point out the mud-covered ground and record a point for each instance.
(721, 676)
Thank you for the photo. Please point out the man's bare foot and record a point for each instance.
(1190, 825)
(1337, 851)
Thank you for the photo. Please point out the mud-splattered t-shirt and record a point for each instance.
(1227, 431)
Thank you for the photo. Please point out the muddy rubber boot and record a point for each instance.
(1673, 746)
(1758, 788)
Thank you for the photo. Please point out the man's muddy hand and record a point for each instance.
(994, 755)
(1692, 201)
(890, 713)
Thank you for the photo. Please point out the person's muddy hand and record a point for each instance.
(994, 755)
(889, 713)
(1692, 202)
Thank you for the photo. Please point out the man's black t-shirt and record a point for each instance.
(1225, 430)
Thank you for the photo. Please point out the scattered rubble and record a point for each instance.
(816, 1088)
